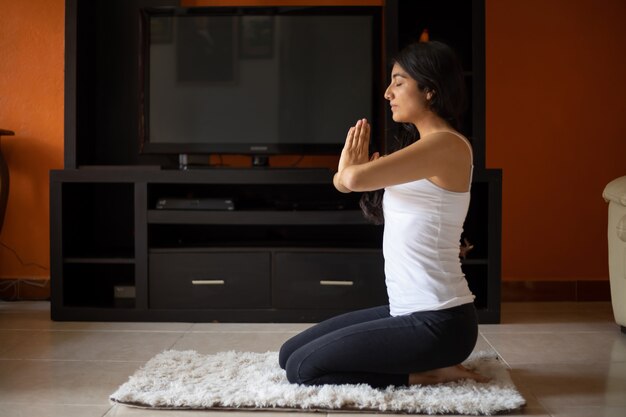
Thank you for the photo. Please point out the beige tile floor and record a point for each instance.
(567, 359)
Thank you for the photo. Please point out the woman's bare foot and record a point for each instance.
(442, 375)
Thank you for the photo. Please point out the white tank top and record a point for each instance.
(423, 226)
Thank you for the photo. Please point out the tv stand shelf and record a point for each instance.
(258, 264)
(254, 217)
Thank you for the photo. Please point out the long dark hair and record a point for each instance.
(436, 68)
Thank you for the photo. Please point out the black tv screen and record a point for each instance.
(258, 80)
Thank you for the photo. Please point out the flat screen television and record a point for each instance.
(257, 80)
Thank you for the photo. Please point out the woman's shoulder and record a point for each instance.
(448, 138)
(445, 133)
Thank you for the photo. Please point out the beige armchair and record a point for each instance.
(615, 195)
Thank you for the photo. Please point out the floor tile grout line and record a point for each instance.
(176, 341)
(72, 404)
(496, 350)
(108, 411)
(544, 332)
(68, 360)
(243, 331)
(93, 331)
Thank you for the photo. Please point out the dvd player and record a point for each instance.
(195, 204)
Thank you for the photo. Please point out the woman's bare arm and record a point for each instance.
(439, 155)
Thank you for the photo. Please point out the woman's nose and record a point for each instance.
(387, 94)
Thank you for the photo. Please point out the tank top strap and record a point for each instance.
(464, 139)
(469, 146)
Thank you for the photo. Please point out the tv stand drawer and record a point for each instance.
(341, 280)
(209, 280)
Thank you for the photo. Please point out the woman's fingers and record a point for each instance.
(358, 129)
(366, 132)
(349, 138)
(363, 135)
(357, 141)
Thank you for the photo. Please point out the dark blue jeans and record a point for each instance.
(370, 346)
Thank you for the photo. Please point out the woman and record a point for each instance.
(430, 324)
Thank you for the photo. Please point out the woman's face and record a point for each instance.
(407, 102)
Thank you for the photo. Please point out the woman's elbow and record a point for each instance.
(351, 179)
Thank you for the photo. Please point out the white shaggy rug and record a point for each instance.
(246, 380)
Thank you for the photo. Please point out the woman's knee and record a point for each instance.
(283, 355)
(287, 350)
(296, 366)
(291, 369)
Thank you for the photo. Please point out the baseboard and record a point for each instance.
(24, 289)
(556, 290)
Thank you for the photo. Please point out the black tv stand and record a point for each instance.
(277, 254)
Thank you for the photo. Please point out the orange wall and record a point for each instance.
(555, 89)
(31, 104)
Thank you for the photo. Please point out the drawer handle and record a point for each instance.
(341, 283)
(207, 282)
